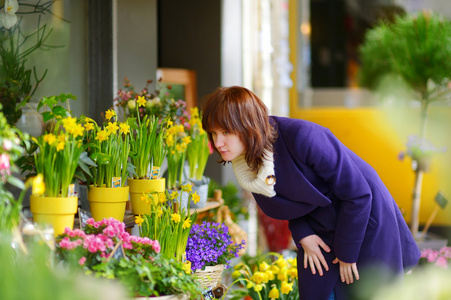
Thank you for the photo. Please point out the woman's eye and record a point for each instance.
(225, 133)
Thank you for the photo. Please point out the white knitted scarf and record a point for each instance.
(256, 183)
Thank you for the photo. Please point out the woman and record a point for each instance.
(341, 216)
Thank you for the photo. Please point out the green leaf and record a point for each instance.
(47, 115)
(15, 182)
(60, 111)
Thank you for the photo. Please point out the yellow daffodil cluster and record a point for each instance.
(167, 222)
(177, 141)
(269, 281)
(109, 149)
(59, 152)
(198, 150)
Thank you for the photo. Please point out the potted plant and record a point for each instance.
(147, 154)
(56, 160)
(271, 277)
(177, 141)
(108, 146)
(168, 222)
(105, 249)
(197, 154)
(210, 249)
(413, 51)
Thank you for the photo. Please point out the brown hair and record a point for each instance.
(239, 111)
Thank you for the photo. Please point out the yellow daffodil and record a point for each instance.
(89, 126)
(270, 275)
(174, 195)
(139, 220)
(195, 197)
(249, 285)
(169, 123)
(293, 272)
(186, 223)
(69, 123)
(125, 128)
(109, 114)
(175, 217)
(258, 287)
(286, 287)
(112, 127)
(187, 187)
(274, 293)
(49, 138)
(38, 185)
(282, 276)
(281, 262)
(236, 274)
(263, 266)
(258, 277)
(61, 137)
(141, 101)
(186, 139)
(60, 146)
(102, 135)
(131, 104)
(160, 212)
(162, 197)
(194, 112)
(187, 267)
(275, 269)
(78, 130)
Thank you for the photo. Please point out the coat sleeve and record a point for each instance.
(299, 228)
(338, 167)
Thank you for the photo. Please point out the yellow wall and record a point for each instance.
(370, 134)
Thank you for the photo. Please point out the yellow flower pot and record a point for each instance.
(108, 202)
(140, 187)
(58, 212)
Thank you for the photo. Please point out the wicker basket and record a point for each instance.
(235, 231)
(210, 277)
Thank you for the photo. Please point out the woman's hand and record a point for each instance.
(313, 256)
(347, 270)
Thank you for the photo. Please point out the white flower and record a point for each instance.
(8, 16)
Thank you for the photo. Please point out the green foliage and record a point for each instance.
(32, 277)
(416, 48)
(141, 276)
(11, 141)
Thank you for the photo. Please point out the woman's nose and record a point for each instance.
(218, 142)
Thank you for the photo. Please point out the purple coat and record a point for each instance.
(324, 188)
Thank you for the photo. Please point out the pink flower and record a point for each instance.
(442, 262)
(4, 161)
(82, 261)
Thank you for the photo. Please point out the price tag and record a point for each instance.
(116, 182)
(71, 190)
(83, 217)
(441, 199)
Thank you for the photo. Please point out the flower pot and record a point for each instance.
(201, 187)
(210, 277)
(138, 187)
(108, 202)
(58, 212)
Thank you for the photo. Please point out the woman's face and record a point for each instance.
(228, 144)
